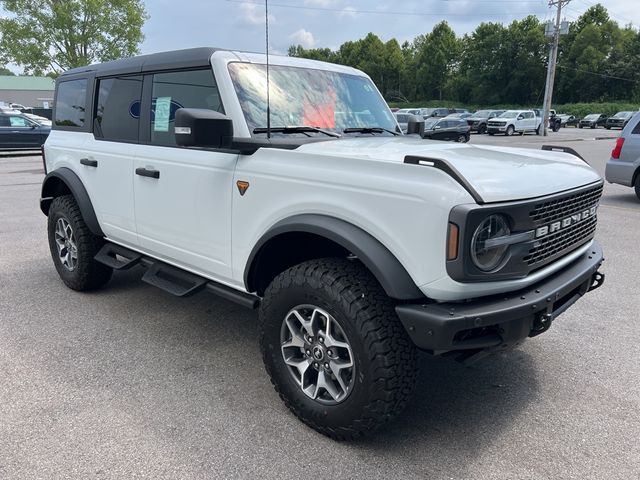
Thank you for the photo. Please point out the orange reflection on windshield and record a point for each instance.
(321, 115)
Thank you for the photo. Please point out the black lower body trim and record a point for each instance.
(502, 321)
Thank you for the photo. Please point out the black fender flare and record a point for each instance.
(69, 178)
(385, 267)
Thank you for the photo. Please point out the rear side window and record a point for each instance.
(4, 121)
(71, 103)
(636, 129)
(174, 90)
(117, 113)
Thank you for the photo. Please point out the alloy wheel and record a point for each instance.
(66, 244)
(317, 354)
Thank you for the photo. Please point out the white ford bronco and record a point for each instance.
(357, 244)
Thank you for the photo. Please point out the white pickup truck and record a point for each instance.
(514, 121)
(357, 244)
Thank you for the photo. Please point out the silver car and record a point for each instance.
(624, 165)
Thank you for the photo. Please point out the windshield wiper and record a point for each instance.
(369, 130)
(296, 129)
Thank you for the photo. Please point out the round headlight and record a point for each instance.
(486, 256)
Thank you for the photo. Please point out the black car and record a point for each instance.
(451, 129)
(18, 131)
(593, 120)
(478, 121)
(619, 120)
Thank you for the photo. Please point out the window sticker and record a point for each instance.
(162, 114)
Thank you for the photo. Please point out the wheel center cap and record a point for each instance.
(318, 352)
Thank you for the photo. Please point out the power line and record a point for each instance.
(348, 10)
(599, 74)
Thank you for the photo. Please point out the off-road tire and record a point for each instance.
(88, 274)
(384, 356)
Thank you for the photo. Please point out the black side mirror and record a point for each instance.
(415, 124)
(199, 127)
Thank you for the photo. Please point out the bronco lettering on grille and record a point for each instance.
(566, 222)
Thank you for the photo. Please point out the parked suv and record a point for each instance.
(512, 121)
(619, 120)
(356, 244)
(452, 129)
(478, 121)
(593, 120)
(624, 165)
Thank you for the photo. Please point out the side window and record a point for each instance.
(174, 90)
(4, 121)
(444, 124)
(71, 103)
(117, 112)
(19, 122)
(636, 129)
(528, 115)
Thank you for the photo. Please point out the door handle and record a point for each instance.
(89, 163)
(143, 172)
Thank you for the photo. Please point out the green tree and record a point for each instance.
(55, 35)
(436, 57)
(6, 72)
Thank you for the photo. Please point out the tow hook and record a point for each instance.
(596, 281)
(541, 324)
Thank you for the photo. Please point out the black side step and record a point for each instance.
(169, 278)
(173, 280)
(125, 258)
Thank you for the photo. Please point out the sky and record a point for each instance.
(239, 24)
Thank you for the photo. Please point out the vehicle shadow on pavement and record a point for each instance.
(457, 410)
(621, 199)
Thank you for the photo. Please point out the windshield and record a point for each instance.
(508, 114)
(593, 116)
(303, 96)
(623, 114)
(482, 113)
(430, 123)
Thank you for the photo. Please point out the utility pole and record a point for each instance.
(551, 68)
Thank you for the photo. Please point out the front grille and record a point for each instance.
(553, 210)
(563, 241)
(496, 124)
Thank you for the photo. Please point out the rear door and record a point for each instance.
(183, 195)
(106, 166)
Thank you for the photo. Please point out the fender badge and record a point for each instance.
(242, 186)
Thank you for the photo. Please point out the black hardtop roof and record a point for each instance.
(188, 58)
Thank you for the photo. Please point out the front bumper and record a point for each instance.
(501, 321)
(496, 129)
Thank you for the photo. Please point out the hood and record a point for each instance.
(497, 173)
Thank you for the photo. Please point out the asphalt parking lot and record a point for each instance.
(130, 382)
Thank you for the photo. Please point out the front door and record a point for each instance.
(183, 196)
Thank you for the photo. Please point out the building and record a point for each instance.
(27, 91)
